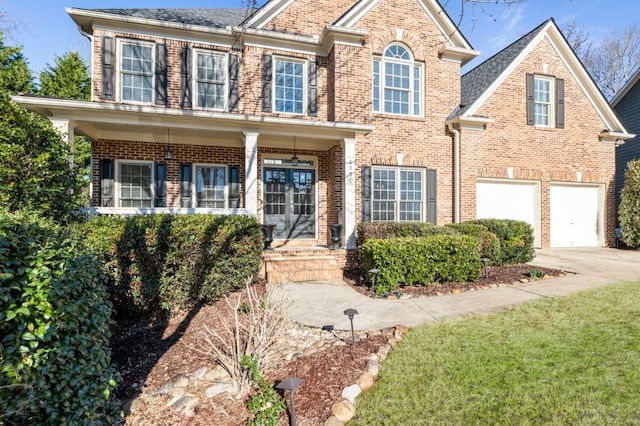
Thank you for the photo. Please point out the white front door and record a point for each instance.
(574, 216)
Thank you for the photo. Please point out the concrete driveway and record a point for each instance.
(322, 303)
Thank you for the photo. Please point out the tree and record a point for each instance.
(629, 209)
(15, 76)
(68, 79)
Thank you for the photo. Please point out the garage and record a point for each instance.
(517, 200)
(574, 215)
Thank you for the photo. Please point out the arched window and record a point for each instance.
(397, 82)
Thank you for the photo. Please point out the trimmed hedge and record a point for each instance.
(516, 240)
(422, 260)
(489, 242)
(382, 230)
(55, 327)
(163, 263)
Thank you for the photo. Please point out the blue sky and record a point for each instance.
(45, 30)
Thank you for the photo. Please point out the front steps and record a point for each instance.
(303, 264)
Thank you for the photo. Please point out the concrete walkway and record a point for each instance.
(322, 303)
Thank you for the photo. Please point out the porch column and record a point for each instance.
(66, 128)
(251, 172)
(349, 192)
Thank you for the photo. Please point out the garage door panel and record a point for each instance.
(574, 216)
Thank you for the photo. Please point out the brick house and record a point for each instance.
(353, 112)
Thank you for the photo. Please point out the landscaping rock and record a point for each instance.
(333, 421)
(165, 388)
(350, 393)
(383, 352)
(372, 367)
(199, 373)
(365, 381)
(186, 405)
(181, 381)
(218, 388)
(343, 410)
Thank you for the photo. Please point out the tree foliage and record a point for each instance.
(15, 76)
(629, 209)
(68, 78)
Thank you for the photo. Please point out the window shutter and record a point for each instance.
(234, 96)
(108, 58)
(267, 70)
(185, 185)
(531, 118)
(185, 77)
(313, 88)
(234, 187)
(106, 183)
(366, 194)
(161, 74)
(560, 103)
(432, 194)
(161, 185)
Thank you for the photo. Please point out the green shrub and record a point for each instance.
(489, 242)
(422, 260)
(516, 240)
(55, 327)
(382, 230)
(629, 209)
(163, 263)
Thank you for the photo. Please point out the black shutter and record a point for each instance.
(108, 59)
(366, 194)
(185, 78)
(234, 95)
(161, 74)
(560, 103)
(531, 118)
(185, 185)
(234, 187)
(432, 195)
(267, 70)
(313, 88)
(161, 185)
(106, 183)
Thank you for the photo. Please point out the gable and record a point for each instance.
(297, 18)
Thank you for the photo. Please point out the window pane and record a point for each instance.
(135, 185)
(136, 73)
(210, 184)
(376, 85)
(289, 87)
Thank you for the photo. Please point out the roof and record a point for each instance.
(218, 18)
(475, 82)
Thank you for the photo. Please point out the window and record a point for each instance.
(135, 183)
(136, 72)
(289, 86)
(398, 194)
(211, 79)
(543, 101)
(210, 185)
(397, 83)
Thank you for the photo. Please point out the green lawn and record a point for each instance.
(565, 361)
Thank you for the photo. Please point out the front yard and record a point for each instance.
(569, 360)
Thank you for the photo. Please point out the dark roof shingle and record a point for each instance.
(217, 18)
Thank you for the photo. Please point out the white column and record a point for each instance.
(66, 129)
(251, 172)
(349, 192)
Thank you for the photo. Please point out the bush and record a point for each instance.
(163, 263)
(516, 240)
(422, 260)
(382, 230)
(489, 242)
(55, 328)
(629, 209)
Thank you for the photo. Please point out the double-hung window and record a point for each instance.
(210, 186)
(543, 101)
(135, 182)
(289, 86)
(397, 82)
(397, 194)
(136, 72)
(211, 80)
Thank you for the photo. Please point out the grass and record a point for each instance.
(571, 360)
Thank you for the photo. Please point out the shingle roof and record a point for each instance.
(475, 82)
(218, 18)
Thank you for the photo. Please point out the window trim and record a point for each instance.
(194, 184)
(118, 180)
(151, 45)
(413, 65)
(195, 79)
(551, 103)
(305, 83)
(398, 200)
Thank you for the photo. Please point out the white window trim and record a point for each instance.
(552, 100)
(194, 65)
(119, 72)
(398, 169)
(117, 180)
(194, 185)
(412, 64)
(305, 84)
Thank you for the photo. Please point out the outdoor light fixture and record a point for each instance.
(374, 273)
(485, 262)
(167, 152)
(290, 384)
(350, 313)
(294, 159)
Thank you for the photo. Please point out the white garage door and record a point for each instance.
(574, 216)
(509, 200)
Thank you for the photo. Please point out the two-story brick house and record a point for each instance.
(308, 113)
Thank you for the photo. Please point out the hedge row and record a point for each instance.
(55, 327)
(516, 240)
(163, 263)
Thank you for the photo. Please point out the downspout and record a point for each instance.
(456, 171)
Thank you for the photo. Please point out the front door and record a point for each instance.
(289, 202)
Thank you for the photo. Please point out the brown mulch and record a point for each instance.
(150, 353)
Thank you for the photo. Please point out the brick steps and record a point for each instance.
(291, 265)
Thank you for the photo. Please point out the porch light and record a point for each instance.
(167, 152)
(294, 159)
